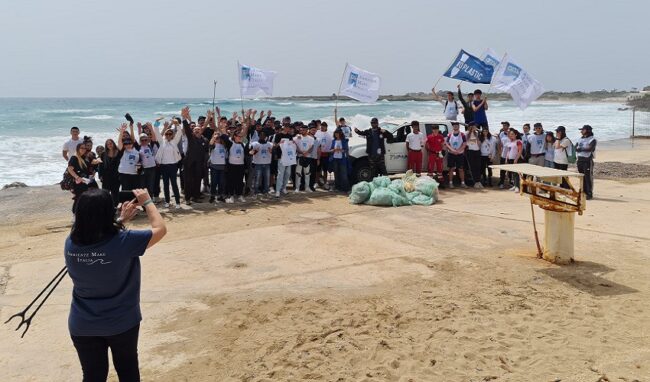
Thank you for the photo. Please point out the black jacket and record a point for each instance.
(468, 112)
(196, 147)
(368, 133)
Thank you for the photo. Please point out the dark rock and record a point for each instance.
(14, 185)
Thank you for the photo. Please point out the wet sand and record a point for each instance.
(318, 289)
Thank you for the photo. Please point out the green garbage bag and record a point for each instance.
(411, 195)
(360, 193)
(399, 200)
(381, 197)
(381, 181)
(422, 200)
(426, 186)
(397, 186)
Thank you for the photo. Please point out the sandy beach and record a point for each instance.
(314, 288)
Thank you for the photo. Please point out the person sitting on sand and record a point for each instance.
(103, 261)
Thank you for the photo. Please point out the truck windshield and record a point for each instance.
(390, 127)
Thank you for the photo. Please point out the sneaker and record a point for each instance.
(478, 185)
(308, 189)
(230, 200)
(463, 185)
(451, 185)
(221, 199)
(166, 205)
(178, 206)
(277, 194)
(512, 188)
(241, 199)
(211, 199)
(501, 186)
(296, 191)
(516, 189)
(155, 200)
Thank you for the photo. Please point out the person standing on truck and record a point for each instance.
(480, 106)
(468, 112)
(456, 144)
(450, 105)
(375, 147)
(414, 143)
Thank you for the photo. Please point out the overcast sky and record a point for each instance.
(162, 48)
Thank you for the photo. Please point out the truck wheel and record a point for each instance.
(361, 170)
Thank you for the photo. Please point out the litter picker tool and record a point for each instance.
(51, 286)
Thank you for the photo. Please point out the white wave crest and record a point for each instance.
(98, 117)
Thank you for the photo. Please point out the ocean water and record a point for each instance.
(33, 130)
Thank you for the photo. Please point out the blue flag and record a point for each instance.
(470, 68)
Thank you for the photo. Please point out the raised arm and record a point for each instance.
(121, 131)
(435, 95)
(460, 97)
(158, 227)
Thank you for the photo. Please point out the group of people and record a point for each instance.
(474, 150)
(225, 157)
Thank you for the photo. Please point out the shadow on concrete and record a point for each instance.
(587, 277)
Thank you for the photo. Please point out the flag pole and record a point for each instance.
(241, 94)
(214, 94)
(336, 104)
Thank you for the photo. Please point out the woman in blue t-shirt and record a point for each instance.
(103, 261)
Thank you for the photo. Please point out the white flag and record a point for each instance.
(491, 58)
(253, 81)
(360, 84)
(510, 77)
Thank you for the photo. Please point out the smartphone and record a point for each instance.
(128, 117)
(125, 196)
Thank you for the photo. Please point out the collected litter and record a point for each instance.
(406, 191)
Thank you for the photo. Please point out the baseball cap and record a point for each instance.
(586, 127)
(143, 135)
(561, 128)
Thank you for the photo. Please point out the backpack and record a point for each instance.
(570, 155)
(447, 102)
(68, 182)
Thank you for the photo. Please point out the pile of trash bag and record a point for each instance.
(406, 191)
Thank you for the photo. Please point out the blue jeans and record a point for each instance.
(216, 181)
(262, 175)
(341, 174)
(284, 173)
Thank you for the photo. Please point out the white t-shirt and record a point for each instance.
(148, 156)
(537, 142)
(236, 153)
(488, 146)
(128, 162)
(218, 154)
(549, 152)
(313, 153)
(338, 145)
(325, 140)
(263, 152)
(71, 146)
(304, 144)
(473, 142)
(456, 141)
(513, 149)
(585, 143)
(560, 156)
(347, 130)
(288, 148)
(415, 141)
(450, 109)
(503, 137)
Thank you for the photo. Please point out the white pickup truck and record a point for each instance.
(396, 154)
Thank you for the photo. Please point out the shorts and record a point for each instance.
(456, 160)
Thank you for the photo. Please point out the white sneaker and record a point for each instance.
(296, 191)
(178, 206)
(242, 200)
(277, 194)
(516, 189)
(308, 190)
(166, 205)
(512, 188)
(463, 185)
(230, 200)
(477, 185)
(451, 185)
